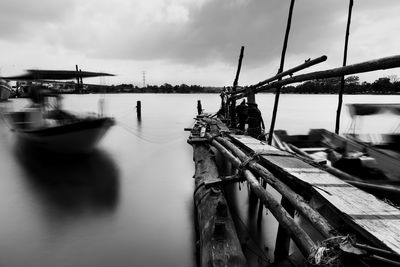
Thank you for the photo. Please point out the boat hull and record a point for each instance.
(5, 92)
(75, 138)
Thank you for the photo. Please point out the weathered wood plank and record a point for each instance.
(372, 216)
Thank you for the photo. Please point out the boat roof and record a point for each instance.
(55, 75)
(372, 109)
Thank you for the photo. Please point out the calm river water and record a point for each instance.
(130, 202)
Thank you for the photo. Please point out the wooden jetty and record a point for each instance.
(352, 227)
(366, 229)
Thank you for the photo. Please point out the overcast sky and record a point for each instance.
(191, 41)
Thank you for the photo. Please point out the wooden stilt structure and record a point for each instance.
(333, 207)
(252, 159)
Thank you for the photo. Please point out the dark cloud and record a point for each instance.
(216, 30)
(203, 33)
(23, 19)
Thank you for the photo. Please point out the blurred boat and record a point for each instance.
(370, 161)
(45, 125)
(5, 90)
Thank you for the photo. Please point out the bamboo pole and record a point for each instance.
(367, 66)
(339, 108)
(278, 88)
(319, 222)
(299, 236)
(235, 84)
(290, 72)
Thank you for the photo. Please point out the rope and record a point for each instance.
(244, 164)
(329, 251)
(165, 138)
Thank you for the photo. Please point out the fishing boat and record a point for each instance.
(44, 124)
(370, 161)
(5, 90)
(370, 156)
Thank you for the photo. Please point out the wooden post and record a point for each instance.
(260, 208)
(282, 244)
(251, 97)
(339, 108)
(278, 89)
(139, 109)
(199, 107)
(219, 244)
(77, 74)
(235, 84)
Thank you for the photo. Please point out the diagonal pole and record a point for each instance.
(341, 90)
(235, 84)
(278, 89)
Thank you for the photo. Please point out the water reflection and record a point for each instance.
(71, 185)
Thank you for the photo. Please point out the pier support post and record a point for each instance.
(199, 107)
(282, 244)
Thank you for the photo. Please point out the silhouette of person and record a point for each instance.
(241, 113)
(255, 121)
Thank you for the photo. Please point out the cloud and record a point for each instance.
(196, 33)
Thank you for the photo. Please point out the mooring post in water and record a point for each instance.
(278, 89)
(139, 109)
(199, 107)
(339, 108)
(77, 74)
(235, 84)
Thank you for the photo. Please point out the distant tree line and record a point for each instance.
(166, 88)
(386, 85)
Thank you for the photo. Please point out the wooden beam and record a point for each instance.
(219, 244)
(290, 72)
(372, 65)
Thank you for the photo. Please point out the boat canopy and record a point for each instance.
(55, 75)
(372, 109)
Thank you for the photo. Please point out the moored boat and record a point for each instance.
(5, 90)
(45, 125)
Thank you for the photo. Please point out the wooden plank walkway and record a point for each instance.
(373, 217)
